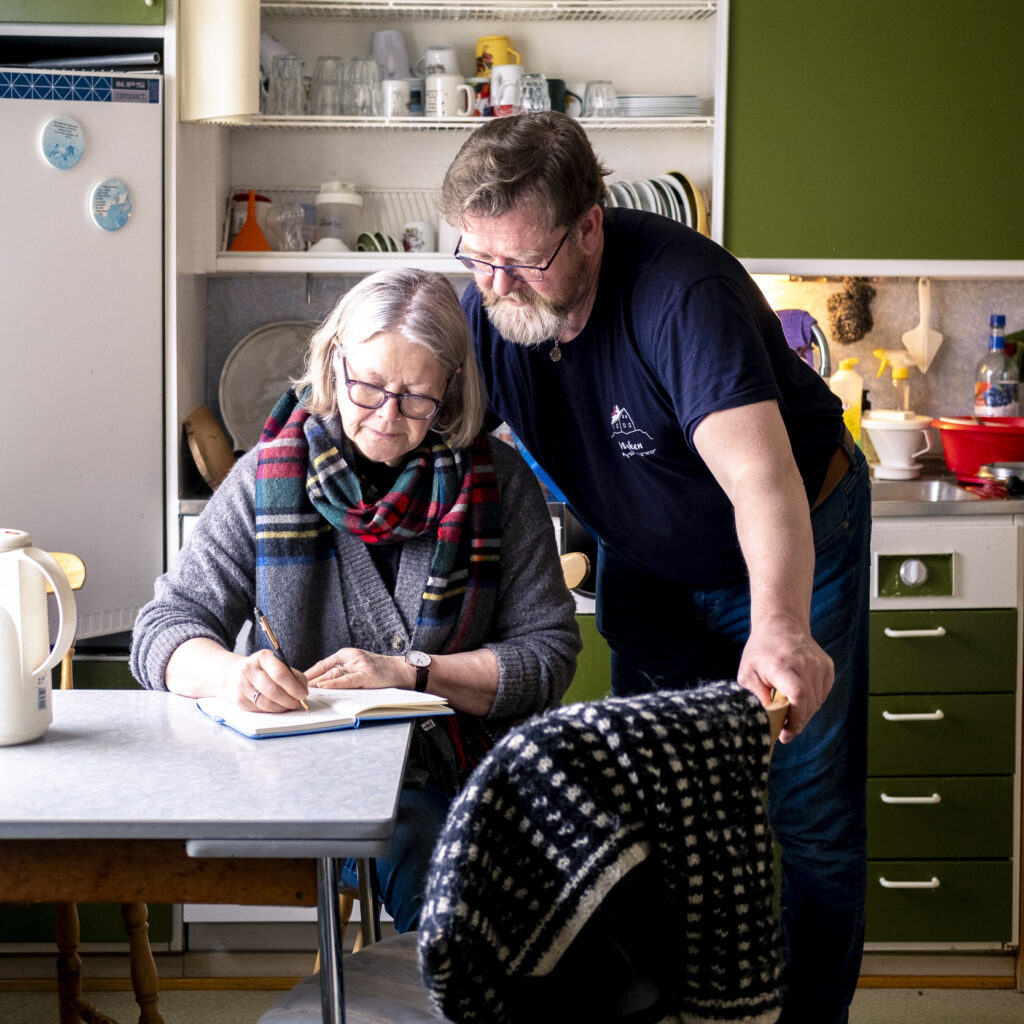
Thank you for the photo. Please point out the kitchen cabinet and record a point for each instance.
(95, 12)
(391, 158)
(944, 735)
(876, 137)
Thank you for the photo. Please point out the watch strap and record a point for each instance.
(422, 671)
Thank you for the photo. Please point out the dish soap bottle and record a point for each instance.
(996, 379)
(848, 385)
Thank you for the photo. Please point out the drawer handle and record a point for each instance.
(933, 799)
(916, 716)
(886, 884)
(897, 634)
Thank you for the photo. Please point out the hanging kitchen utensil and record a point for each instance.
(922, 342)
(251, 237)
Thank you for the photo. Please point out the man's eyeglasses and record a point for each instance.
(369, 396)
(516, 270)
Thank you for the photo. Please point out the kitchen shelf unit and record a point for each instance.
(510, 10)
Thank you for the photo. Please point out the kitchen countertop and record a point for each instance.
(935, 493)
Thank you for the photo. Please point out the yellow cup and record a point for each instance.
(493, 50)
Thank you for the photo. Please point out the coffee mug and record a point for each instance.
(418, 236)
(438, 59)
(505, 88)
(448, 96)
(481, 96)
(395, 97)
(574, 93)
(556, 93)
(388, 49)
(492, 51)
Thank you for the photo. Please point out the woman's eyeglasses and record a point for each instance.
(370, 396)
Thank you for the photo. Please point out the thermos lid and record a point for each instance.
(11, 540)
(339, 192)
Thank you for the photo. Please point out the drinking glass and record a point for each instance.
(286, 95)
(325, 98)
(362, 87)
(533, 93)
(599, 99)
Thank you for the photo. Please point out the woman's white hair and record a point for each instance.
(421, 306)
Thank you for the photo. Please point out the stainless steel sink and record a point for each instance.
(919, 490)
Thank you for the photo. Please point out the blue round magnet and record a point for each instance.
(111, 204)
(62, 142)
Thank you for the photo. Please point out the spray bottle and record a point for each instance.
(900, 360)
(848, 385)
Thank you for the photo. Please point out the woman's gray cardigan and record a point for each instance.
(210, 592)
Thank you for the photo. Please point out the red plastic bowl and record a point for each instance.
(968, 444)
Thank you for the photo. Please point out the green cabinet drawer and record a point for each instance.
(940, 817)
(593, 679)
(941, 734)
(971, 650)
(949, 901)
(95, 12)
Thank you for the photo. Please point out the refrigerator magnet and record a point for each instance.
(110, 205)
(62, 142)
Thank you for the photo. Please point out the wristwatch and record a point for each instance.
(421, 662)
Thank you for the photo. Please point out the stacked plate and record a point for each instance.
(658, 106)
(377, 242)
(672, 195)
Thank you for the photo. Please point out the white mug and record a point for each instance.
(388, 48)
(505, 88)
(448, 96)
(438, 59)
(418, 236)
(395, 97)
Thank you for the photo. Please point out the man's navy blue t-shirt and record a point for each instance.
(678, 330)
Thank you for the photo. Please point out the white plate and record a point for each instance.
(256, 373)
(648, 200)
(622, 197)
(685, 213)
(667, 199)
(634, 196)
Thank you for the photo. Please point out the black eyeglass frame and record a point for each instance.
(349, 381)
(477, 266)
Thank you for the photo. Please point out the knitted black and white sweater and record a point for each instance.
(611, 860)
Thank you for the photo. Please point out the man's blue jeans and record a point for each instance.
(663, 635)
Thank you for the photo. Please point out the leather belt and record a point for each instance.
(836, 470)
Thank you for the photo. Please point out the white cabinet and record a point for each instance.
(651, 48)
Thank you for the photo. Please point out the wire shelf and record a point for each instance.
(420, 124)
(503, 10)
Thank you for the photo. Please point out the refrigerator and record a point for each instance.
(81, 327)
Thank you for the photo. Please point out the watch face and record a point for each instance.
(418, 658)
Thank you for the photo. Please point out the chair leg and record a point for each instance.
(145, 983)
(69, 963)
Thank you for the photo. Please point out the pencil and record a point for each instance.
(278, 649)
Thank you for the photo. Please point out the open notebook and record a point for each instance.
(328, 709)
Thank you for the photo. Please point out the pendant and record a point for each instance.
(555, 354)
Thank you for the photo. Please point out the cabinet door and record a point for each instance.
(95, 12)
(874, 130)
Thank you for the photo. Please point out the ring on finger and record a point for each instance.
(342, 671)
(256, 695)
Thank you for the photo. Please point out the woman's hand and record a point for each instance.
(262, 682)
(354, 669)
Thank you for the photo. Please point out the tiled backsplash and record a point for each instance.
(960, 310)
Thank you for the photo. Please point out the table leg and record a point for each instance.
(332, 983)
(145, 983)
(69, 963)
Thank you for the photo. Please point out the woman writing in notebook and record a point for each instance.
(389, 542)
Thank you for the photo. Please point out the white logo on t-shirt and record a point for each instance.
(627, 434)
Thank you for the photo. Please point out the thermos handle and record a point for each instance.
(66, 608)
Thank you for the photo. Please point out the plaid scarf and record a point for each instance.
(306, 484)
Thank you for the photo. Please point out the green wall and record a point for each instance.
(876, 129)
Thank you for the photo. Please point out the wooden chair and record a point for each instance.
(383, 983)
(145, 985)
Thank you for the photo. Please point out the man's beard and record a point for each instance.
(531, 319)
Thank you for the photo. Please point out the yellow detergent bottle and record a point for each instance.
(848, 385)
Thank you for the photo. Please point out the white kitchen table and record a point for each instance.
(130, 793)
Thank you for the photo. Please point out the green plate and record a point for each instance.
(367, 243)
